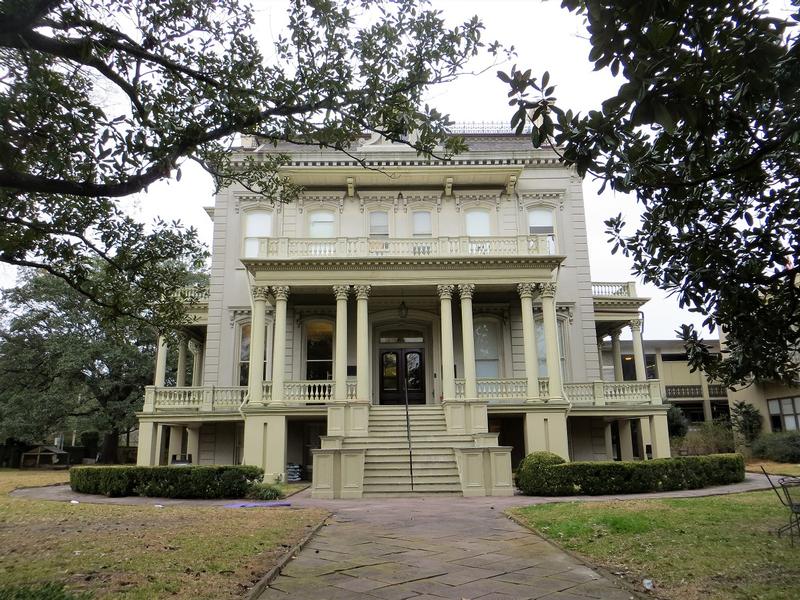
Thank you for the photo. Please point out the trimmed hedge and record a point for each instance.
(264, 491)
(780, 447)
(546, 474)
(213, 481)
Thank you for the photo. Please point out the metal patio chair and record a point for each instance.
(788, 492)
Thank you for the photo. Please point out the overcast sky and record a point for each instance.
(546, 37)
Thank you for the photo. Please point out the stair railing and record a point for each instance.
(408, 431)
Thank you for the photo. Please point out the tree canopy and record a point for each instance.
(62, 363)
(101, 99)
(705, 131)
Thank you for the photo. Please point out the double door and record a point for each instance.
(402, 372)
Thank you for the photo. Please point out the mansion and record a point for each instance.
(415, 326)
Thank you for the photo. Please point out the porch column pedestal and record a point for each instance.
(146, 451)
(625, 440)
(466, 290)
(529, 340)
(362, 342)
(644, 436)
(281, 293)
(708, 415)
(197, 363)
(340, 368)
(638, 350)
(193, 444)
(616, 352)
(255, 378)
(548, 293)
(183, 348)
(161, 362)
(175, 442)
(609, 439)
(448, 360)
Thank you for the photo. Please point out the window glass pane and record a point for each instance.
(251, 246)
(791, 422)
(487, 342)
(775, 422)
(487, 369)
(774, 407)
(786, 405)
(797, 405)
(244, 355)
(320, 224)
(422, 223)
(379, 223)
(414, 376)
(478, 223)
(259, 224)
(319, 340)
(540, 220)
(389, 371)
(541, 349)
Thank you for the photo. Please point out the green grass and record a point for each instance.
(773, 468)
(718, 547)
(140, 552)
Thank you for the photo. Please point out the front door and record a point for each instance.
(402, 371)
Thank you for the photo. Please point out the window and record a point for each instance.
(541, 349)
(319, 350)
(784, 414)
(244, 354)
(379, 224)
(540, 222)
(487, 349)
(421, 223)
(321, 224)
(257, 228)
(478, 223)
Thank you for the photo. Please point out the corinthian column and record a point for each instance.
(281, 293)
(526, 291)
(550, 326)
(255, 379)
(362, 341)
(638, 350)
(183, 348)
(161, 362)
(340, 368)
(465, 290)
(448, 360)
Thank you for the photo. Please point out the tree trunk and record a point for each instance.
(108, 453)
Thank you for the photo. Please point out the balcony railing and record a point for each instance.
(614, 289)
(614, 392)
(193, 294)
(206, 399)
(542, 244)
(694, 392)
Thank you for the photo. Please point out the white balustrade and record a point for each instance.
(627, 392)
(614, 289)
(198, 398)
(493, 389)
(544, 387)
(402, 247)
(352, 387)
(580, 393)
(178, 397)
(228, 397)
(308, 392)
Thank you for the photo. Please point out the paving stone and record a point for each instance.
(466, 575)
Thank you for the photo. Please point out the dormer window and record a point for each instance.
(257, 229)
(379, 224)
(321, 224)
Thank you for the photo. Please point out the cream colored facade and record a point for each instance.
(462, 286)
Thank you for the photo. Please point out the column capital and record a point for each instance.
(260, 292)
(615, 335)
(547, 289)
(195, 346)
(362, 291)
(445, 291)
(465, 290)
(526, 290)
(341, 291)
(281, 292)
(635, 324)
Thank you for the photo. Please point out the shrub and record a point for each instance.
(213, 481)
(780, 447)
(707, 438)
(746, 421)
(264, 491)
(47, 591)
(551, 478)
(677, 423)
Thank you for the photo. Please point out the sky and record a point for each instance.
(546, 37)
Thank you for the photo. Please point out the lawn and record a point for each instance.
(773, 468)
(140, 552)
(718, 547)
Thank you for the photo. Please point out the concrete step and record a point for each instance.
(424, 468)
(451, 488)
(372, 444)
(409, 494)
(420, 437)
(389, 419)
(436, 453)
(419, 479)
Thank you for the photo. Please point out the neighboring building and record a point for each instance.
(779, 404)
(461, 285)
(665, 360)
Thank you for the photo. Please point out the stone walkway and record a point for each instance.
(428, 547)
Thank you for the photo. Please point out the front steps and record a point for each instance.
(386, 461)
